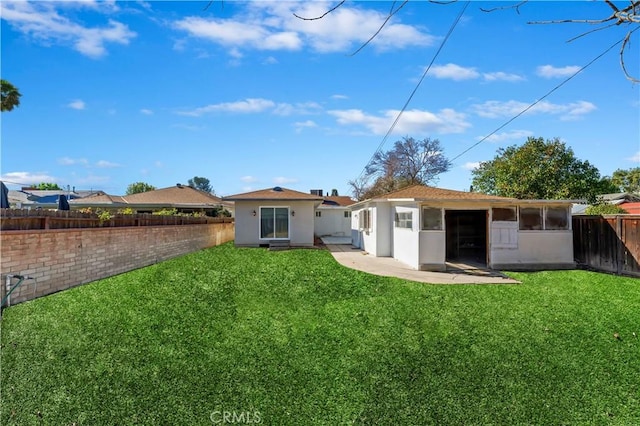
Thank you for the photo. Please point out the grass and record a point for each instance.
(292, 337)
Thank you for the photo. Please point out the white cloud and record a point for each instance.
(281, 180)
(471, 165)
(246, 106)
(549, 71)
(26, 178)
(635, 158)
(502, 76)
(339, 97)
(42, 22)
(499, 109)
(270, 60)
(77, 104)
(255, 105)
(248, 179)
(67, 161)
(272, 26)
(103, 164)
(300, 125)
(412, 121)
(454, 72)
(505, 136)
(146, 111)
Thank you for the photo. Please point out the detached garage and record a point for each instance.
(427, 227)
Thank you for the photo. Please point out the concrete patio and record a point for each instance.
(355, 258)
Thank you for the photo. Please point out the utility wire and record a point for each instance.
(541, 99)
(424, 74)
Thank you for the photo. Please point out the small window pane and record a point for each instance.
(431, 219)
(504, 214)
(318, 214)
(557, 218)
(530, 218)
(404, 220)
(347, 214)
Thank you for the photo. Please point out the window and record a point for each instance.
(318, 214)
(530, 218)
(365, 219)
(431, 219)
(274, 222)
(347, 214)
(404, 220)
(503, 214)
(556, 218)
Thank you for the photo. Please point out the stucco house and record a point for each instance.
(426, 227)
(333, 217)
(274, 216)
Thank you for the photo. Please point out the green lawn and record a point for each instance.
(292, 337)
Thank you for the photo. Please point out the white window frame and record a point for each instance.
(567, 218)
(544, 212)
(402, 219)
(422, 209)
(364, 219)
(274, 222)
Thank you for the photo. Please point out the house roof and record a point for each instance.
(620, 197)
(173, 196)
(102, 199)
(276, 193)
(423, 192)
(341, 200)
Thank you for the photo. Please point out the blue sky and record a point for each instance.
(249, 96)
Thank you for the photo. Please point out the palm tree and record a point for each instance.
(10, 96)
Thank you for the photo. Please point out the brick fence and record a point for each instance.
(63, 258)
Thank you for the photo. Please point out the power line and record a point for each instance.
(542, 98)
(424, 74)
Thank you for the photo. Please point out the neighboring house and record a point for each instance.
(626, 200)
(31, 198)
(274, 215)
(183, 198)
(99, 201)
(426, 227)
(333, 217)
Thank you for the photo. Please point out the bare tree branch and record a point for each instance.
(513, 6)
(321, 16)
(622, 64)
(391, 13)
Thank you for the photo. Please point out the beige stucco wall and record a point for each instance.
(551, 248)
(332, 222)
(300, 225)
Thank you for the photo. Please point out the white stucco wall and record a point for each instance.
(247, 226)
(536, 247)
(332, 222)
(405, 242)
(432, 249)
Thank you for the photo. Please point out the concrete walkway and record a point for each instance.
(355, 258)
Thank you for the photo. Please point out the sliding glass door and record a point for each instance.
(274, 222)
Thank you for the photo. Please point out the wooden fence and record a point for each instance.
(608, 243)
(22, 219)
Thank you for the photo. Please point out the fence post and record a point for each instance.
(620, 243)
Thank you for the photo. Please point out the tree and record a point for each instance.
(48, 186)
(601, 208)
(201, 183)
(10, 96)
(538, 169)
(626, 180)
(409, 162)
(138, 187)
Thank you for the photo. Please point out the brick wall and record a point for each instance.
(64, 258)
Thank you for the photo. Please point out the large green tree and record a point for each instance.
(627, 180)
(138, 187)
(409, 162)
(10, 96)
(538, 169)
(201, 183)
